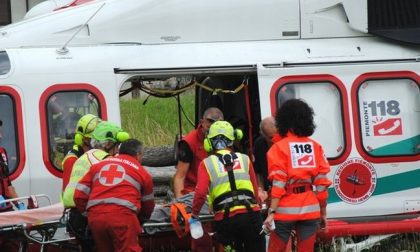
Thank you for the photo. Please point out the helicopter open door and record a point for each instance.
(233, 89)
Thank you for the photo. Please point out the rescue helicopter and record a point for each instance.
(356, 62)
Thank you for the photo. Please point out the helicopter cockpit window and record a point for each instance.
(325, 99)
(8, 134)
(4, 63)
(64, 109)
(389, 112)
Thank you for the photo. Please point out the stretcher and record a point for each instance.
(34, 229)
(44, 228)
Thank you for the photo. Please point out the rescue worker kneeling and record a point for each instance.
(230, 180)
(116, 192)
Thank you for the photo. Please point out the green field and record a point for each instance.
(156, 122)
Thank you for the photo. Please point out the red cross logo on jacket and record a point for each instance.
(111, 175)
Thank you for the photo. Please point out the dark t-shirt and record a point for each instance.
(184, 152)
(260, 164)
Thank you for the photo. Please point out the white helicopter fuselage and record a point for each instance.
(364, 89)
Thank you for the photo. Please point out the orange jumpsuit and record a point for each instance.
(297, 165)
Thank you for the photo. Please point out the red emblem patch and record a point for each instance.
(355, 181)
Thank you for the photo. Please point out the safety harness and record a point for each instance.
(234, 197)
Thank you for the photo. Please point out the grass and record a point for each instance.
(156, 122)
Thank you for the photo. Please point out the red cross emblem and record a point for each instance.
(111, 174)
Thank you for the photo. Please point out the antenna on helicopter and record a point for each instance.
(63, 49)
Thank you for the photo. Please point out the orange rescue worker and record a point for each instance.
(296, 165)
(116, 192)
(229, 179)
(82, 137)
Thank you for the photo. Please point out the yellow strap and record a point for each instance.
(192, 85)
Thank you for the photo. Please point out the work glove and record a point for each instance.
(20, 205)
(2, 203)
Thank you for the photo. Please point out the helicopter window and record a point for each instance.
(4, 63)
(8, 130)
(5, 12)
(389, 116)
(63, 111)
(325, 99)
